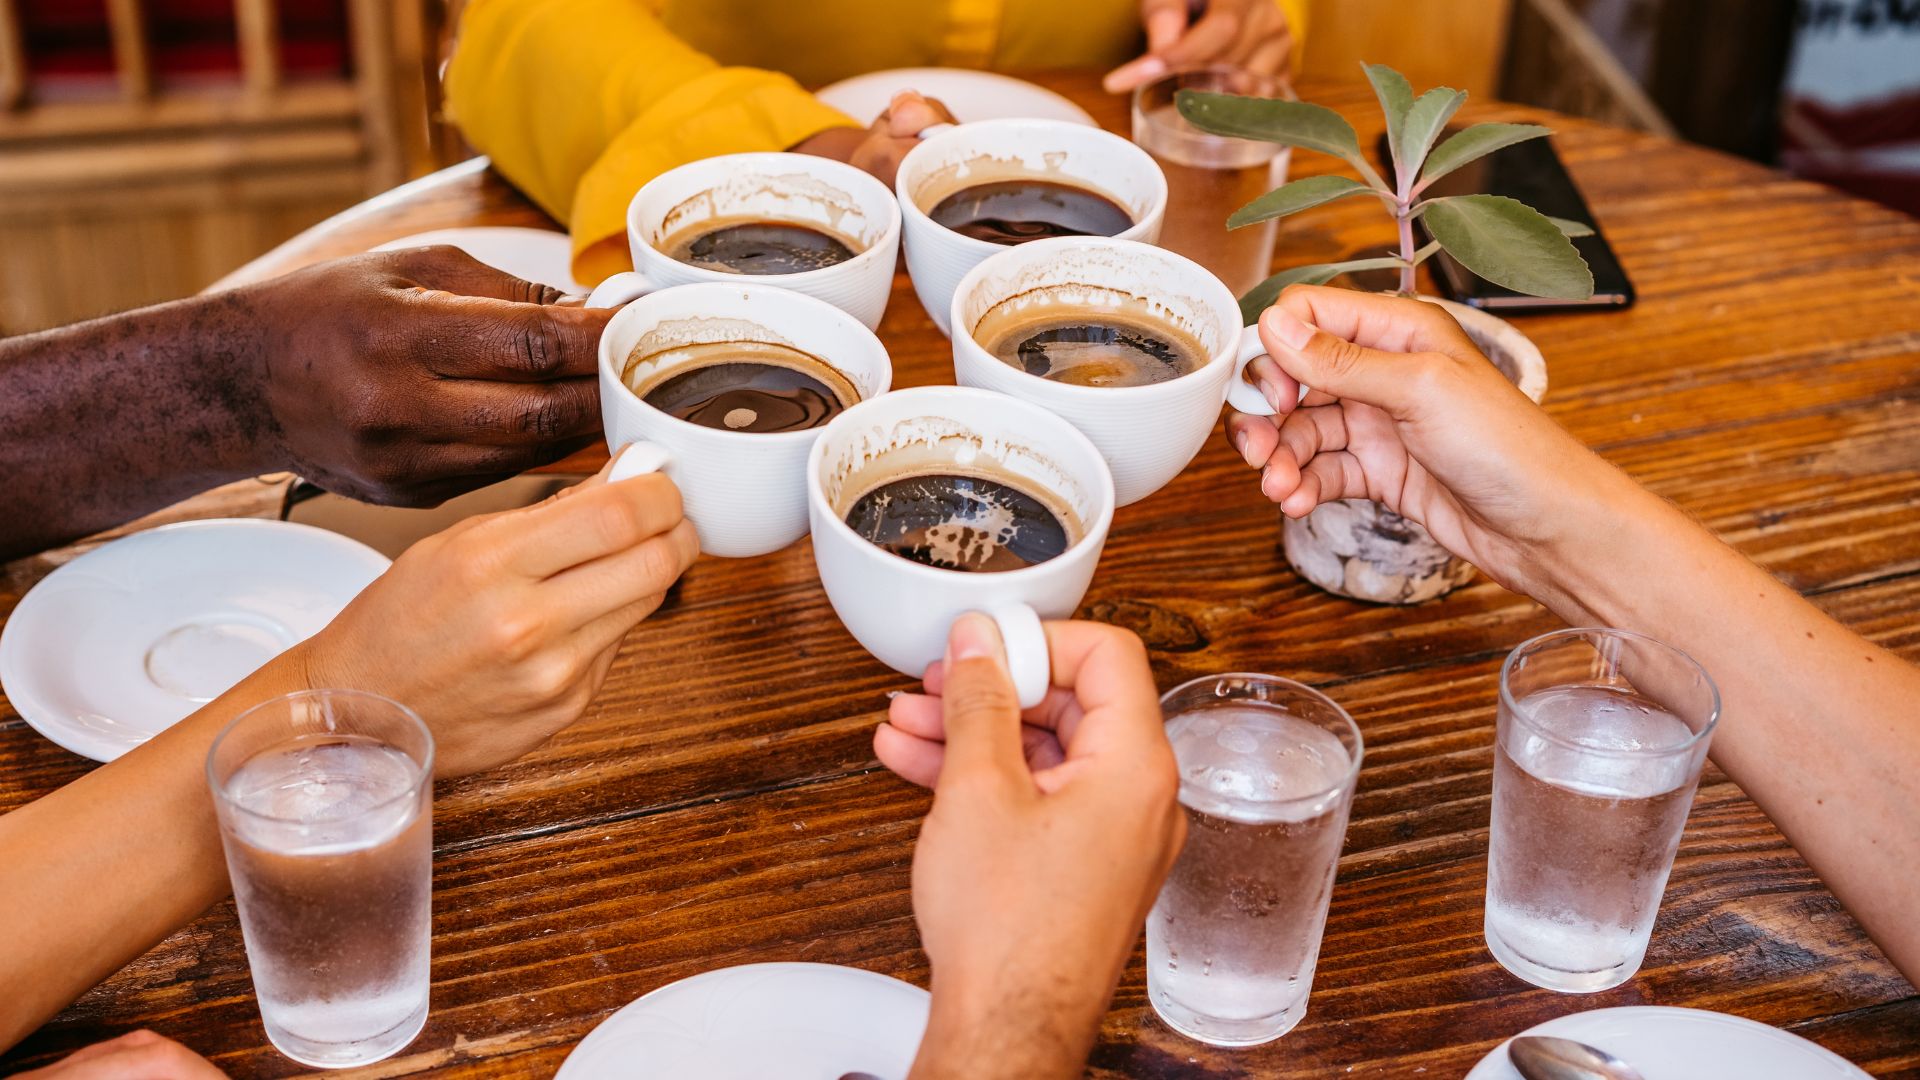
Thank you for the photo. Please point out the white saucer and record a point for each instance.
(117, 645)
(540, 255)
(793, 1021)
(1685, 1044)
(970, 95)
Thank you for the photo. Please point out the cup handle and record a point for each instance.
(638, 459)
(619, 289)
(1241, 394)
(1027, 659)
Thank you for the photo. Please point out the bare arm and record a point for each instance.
(523, 612)
(398, 377)
(1819, 726)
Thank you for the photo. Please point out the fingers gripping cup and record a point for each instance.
(1135, 346)
(970, 190)
(809, 224)
(933, 502)
(724, 388)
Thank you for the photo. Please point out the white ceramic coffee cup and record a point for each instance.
(799, 188)
(901, 610)
(1147, 433)
(744, 491)
(960, 155)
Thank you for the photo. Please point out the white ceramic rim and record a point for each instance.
(1227, 352)
(1155, 209)
(886, 204)
(773, 294)
(1102, 491)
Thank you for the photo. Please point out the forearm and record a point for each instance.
(1011, 1031)
(101, 870)
(1819, 726)
(109, 419)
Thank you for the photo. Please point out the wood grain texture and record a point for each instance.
(719, 804)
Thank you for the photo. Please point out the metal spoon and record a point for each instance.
(1543, 1057)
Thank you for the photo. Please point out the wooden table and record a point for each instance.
(719, 804)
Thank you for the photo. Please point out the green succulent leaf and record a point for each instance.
(1509, 243)
(1261, 296)
(1422, 125)
(1295, 197)
(1396, 97)
(1570, 228)
(1291, 123)
(1476, 142)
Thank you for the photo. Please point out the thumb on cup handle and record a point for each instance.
(1241, 394)
(638, 459)
(1028, 662)
(621, 288)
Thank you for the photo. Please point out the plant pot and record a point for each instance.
(1360, 549)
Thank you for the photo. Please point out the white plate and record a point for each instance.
(540, 255)
(119, 644)
(969, 95)
(792, 1021)
(1686, 1044)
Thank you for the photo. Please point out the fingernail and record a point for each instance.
(1291, 331)
(973, 636)
(1271, 393)
(1239, 441)
(1151, 68)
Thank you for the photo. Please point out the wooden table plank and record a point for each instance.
(719, 803)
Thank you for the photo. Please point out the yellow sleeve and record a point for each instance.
(579, 102)
(1296, 13)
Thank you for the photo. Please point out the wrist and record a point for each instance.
(1029, 1025)
(838, 143)
(239, 327)
(1616, 535)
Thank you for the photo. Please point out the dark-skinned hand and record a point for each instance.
(408, 377)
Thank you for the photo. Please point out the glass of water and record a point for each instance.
(1211, 176)
(1600, 739)
(325, 806)
(1267, 769)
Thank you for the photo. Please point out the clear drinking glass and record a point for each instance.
(1267, 768)
(1601, 735)
(1211, 176)
(325, 805)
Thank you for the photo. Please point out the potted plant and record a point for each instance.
(1355, 547)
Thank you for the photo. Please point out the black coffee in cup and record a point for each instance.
(1089, 345)
(957, 521)
(757, 246)
(746, 386)
(1018, 210)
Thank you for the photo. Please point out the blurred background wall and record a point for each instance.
(149, 146)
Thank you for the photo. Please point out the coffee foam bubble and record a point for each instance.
(917, 446)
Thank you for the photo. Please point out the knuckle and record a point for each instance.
(659, 566)
(619, 523)
(516, 637)
(551, 678)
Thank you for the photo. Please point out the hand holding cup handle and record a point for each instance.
(1243, 395)
(1025, 640)
(638, 459)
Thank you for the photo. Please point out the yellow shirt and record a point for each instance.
(579, 102)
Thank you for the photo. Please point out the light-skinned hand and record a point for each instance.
(1406, 411)
(1049, 836)
(137, 1055)
(880, 147)
(499, 630)
(1251, 35)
